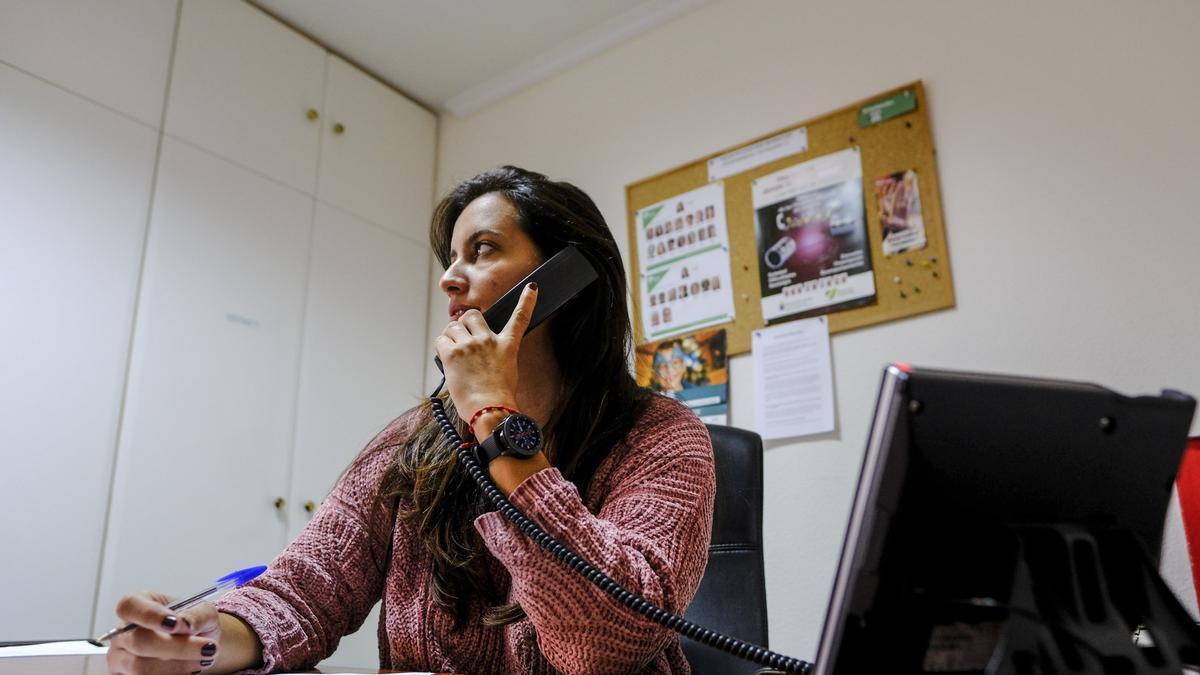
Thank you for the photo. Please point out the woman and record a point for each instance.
(624, 478)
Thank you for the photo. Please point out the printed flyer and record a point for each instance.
(898, 199)
(685, 281)
(691, 369)
(812, 238)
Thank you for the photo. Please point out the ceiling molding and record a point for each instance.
(570, 53)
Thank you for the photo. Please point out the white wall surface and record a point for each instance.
(1068, 158)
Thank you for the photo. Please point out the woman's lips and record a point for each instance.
(456, 311)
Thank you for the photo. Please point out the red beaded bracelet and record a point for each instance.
(486, 409)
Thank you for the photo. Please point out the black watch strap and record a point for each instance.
(489, 449)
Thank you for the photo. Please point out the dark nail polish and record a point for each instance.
(206, 663)
(533, 285)
(208, 649)
(169, 622)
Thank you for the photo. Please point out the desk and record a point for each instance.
(94, 665)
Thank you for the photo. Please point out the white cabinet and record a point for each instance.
(207, 433)
(364, 347)
(249, 89)
(174, 363)
(364, 358)
(242, 87)
(376, 153)
(115, 52)
(74, 191)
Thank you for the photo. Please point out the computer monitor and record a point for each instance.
(1009, 525)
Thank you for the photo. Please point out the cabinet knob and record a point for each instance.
(309, 506)
(280, 503)
(338, 128)
(312, 114)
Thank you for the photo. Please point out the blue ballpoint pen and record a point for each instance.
(219, 587)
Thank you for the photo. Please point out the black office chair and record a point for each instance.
(732, 598)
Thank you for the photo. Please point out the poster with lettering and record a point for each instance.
(685, 281)
(898, 198)
(813, 251)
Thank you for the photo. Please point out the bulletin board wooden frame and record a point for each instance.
(906, 284)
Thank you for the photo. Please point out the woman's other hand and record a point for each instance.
(164, 641)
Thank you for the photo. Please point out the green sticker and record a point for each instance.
(648, 214)
(653, 279)
(886, 109)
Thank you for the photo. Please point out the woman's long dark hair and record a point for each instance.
(597, 404)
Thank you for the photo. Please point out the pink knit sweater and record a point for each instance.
(646, 522)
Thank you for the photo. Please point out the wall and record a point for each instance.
(1067, 158)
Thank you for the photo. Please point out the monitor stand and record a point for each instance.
(1040, 599)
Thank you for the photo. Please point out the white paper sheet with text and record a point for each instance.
(68, 648)
(82, 648)
(793, 379)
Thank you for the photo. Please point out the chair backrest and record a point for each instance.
(732, 598)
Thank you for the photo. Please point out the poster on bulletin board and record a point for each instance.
(684, 278)
(812, 237)
(691, 369)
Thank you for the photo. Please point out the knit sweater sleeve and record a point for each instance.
(323, 585)
(651, 535)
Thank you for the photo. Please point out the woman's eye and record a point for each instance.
(483, 247)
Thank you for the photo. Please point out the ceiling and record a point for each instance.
(458, 56)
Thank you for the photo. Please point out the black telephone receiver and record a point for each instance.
(559, 279)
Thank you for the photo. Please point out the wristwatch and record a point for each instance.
(516, 436)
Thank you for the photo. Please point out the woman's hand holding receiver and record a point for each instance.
(481, 366)
(196, 639)
(481, 370)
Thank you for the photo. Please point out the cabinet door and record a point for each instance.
(364, 347)
(379, 166)
(241, 87)
(115, 53)
(74, 189)
(364, 357)
(206, 436)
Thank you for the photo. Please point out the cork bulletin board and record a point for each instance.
(891, 139)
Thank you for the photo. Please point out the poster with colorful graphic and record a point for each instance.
(898, 199)
(692, 369)
(685, 281)
(812, 238)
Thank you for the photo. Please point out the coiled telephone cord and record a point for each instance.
(692, 631)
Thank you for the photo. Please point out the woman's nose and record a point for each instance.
(452, 282)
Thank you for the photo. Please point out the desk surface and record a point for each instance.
(94, 665)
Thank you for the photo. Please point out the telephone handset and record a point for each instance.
(559, 279)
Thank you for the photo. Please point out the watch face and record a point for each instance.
(522, 434)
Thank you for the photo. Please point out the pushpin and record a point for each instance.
(896, 279)
(916, 289)
(902, 295)
(908, 262)
(936, 275)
